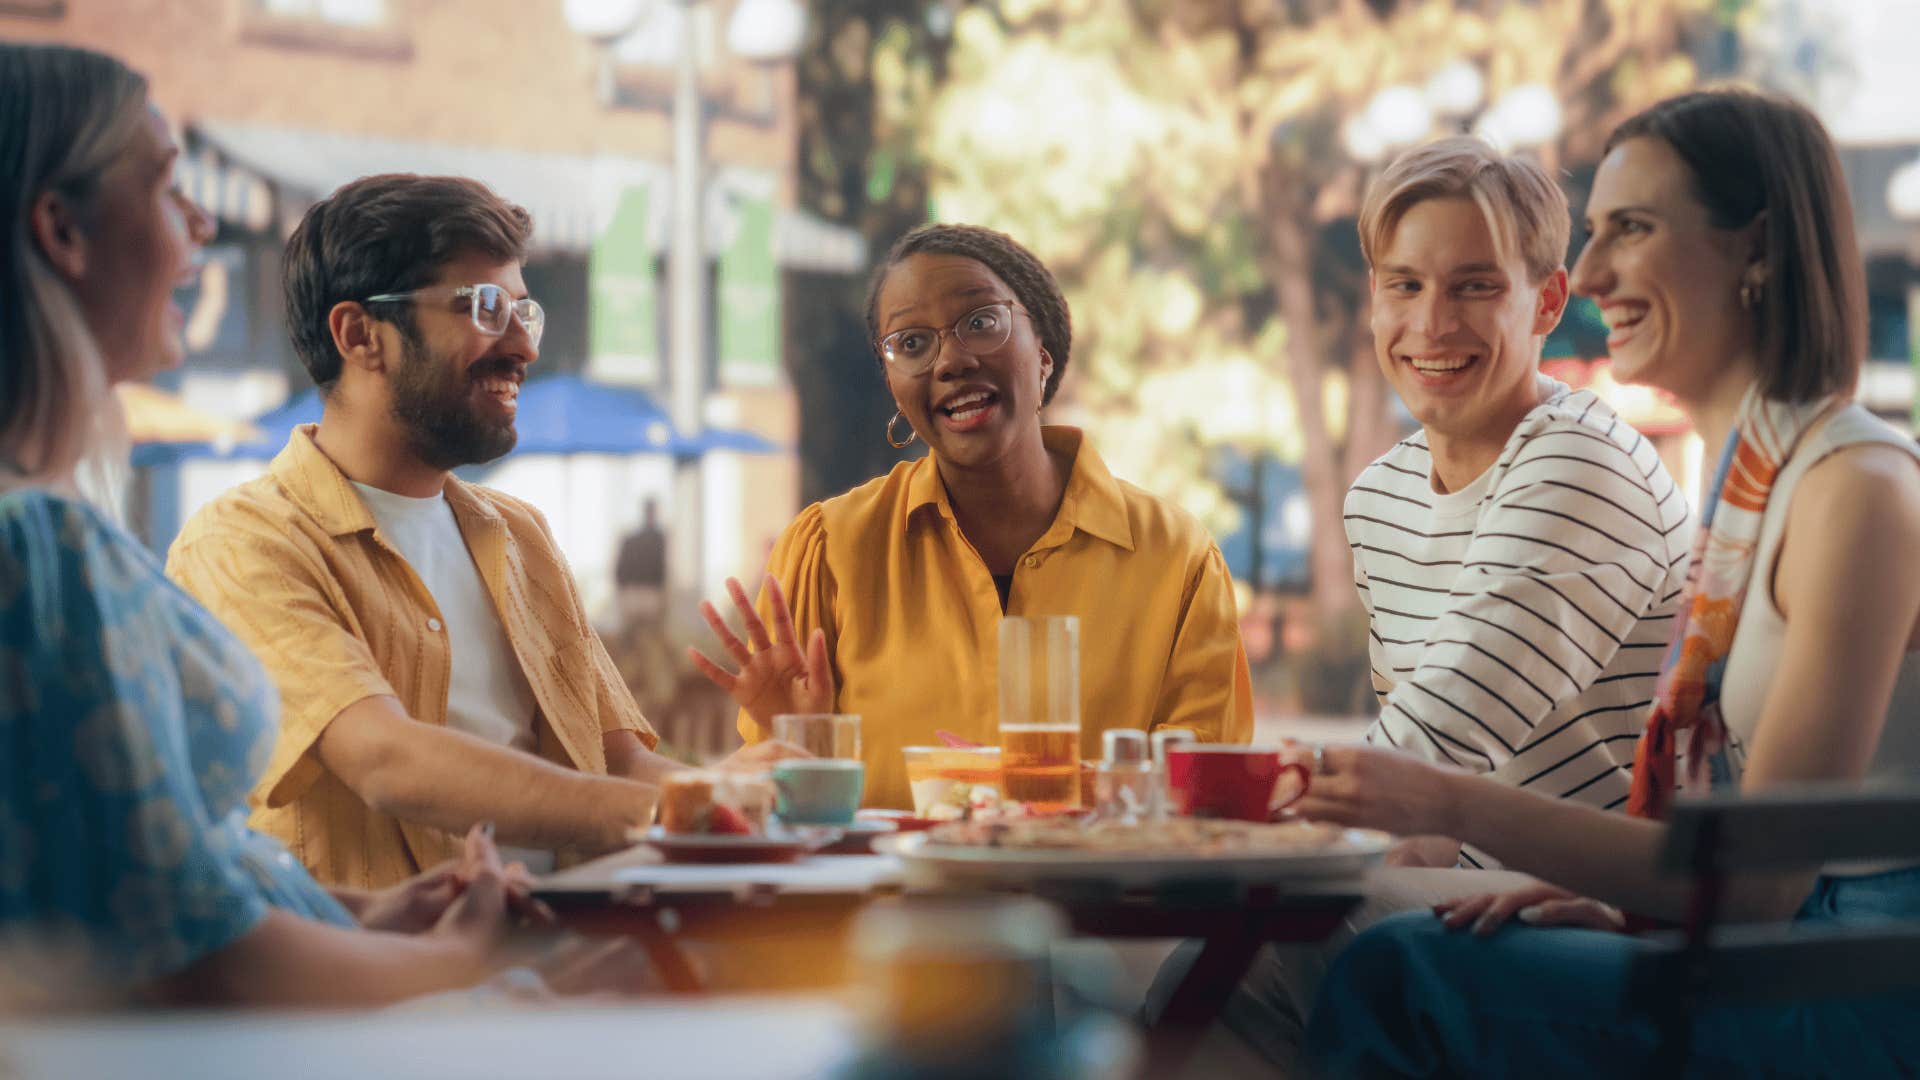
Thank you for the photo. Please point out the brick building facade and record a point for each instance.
(278, 101)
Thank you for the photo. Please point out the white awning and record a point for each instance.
(229, 168)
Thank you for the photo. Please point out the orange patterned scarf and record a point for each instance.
(1687, 699)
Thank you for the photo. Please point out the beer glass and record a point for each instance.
(826, 735)
(1040, 711)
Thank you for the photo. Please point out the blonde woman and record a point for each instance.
(131, 722)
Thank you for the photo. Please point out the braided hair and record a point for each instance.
(1032, 283)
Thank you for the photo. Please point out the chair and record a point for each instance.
(1775, 831)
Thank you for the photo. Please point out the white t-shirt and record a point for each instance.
(487, 694)
(1517, 625)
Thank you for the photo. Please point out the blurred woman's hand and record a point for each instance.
(775, 676)
(416, 905)
(1536, 904)
(491, 898)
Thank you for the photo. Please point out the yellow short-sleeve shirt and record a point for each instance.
(294, 564)
(911, 612)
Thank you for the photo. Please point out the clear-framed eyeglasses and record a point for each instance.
(489, 305)
(982, 330)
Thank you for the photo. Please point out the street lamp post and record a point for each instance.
(763, 31)
(687, 307)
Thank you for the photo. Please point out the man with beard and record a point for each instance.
(436, 667)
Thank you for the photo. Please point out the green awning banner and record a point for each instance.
(623, 344)
(749, 300)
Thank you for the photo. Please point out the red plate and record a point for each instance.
(778, 847)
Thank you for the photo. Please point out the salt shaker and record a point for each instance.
(1123, 781)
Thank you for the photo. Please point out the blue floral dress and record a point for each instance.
(132, 725)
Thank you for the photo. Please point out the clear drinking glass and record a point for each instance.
(827, 735)
(1040, 711)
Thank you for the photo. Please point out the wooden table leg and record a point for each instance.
(1200, 998)
(670, 960)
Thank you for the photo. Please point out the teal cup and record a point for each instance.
(818, 791)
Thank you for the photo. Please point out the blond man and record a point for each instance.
(1519, 557)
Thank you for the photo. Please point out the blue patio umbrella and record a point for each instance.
(559, 414)
(570, 414)
(740, 442)
(276, 426)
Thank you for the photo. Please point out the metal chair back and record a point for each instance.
(1775, 831)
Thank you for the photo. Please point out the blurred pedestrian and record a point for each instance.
(640, 570)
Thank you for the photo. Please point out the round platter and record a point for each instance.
(1349, 854)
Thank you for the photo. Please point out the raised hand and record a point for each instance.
(775, 676)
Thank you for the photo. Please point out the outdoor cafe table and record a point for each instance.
(633, 892)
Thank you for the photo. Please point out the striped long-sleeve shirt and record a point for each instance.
(1517, 625)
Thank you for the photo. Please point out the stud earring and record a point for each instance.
(1749, 296)
(900, 444)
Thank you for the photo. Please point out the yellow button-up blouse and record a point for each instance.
(912, 616)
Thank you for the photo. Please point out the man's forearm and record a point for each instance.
(450, 780)
(629, 758)
(532, 802)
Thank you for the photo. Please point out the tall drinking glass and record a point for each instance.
(825, 735)
(1040, 711)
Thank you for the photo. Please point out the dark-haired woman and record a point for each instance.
(885, 601)
(1722, 256)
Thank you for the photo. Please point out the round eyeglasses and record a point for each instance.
(981, 330)
(487, 304)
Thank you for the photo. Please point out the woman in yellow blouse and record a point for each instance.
(898, 585)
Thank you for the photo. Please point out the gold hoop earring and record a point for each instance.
(900, 444)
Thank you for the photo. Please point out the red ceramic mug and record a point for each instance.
(1226, 780)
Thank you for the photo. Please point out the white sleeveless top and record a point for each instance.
(1760, 638)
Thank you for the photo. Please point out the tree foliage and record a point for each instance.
(1186, 170)
(867, 75)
